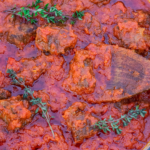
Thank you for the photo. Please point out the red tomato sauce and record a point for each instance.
(36, 135)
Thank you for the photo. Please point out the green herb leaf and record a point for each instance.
(36, 111)
(46, 7)
(72, 22)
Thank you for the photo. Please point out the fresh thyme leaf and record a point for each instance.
(78, 14)
(12, 16)
(37, 7)
(46, 7)
(72, 22)
(36, 111)
(20, 13)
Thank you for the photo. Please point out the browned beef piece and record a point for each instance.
(132, 36)
(55, 40)
(21, 34)
(30, 69)
(4, 94)
(80, 122)
(81, 76)
(15, 112)
(89, 24)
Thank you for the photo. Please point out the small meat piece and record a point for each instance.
(80, 122)
(142, 17)
(30, 69)
(89, 24)
(4, 94)
(21, 34)
(81, 76)
(100, 2)
(132, 36)
(55, 40)
(15, 112)
(3, 80)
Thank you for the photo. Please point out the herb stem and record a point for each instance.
(34, 101)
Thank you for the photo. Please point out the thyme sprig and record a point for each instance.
(114, 124)
(50, 14)
(30, 12)
(29, 93)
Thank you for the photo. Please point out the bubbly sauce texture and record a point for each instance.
(72, 79)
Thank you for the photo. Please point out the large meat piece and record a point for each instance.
(81, 76)
(132, 36)
(15, 112)
(55, 40)
(21, 34)
(30, 69)
(4, 94)
(80, 122)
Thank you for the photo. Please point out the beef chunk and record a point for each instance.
(3, 80)
(21, 34)
(81, 77)
(55, 40)
(142, 17)
(89, 24)
(4, 94)
(132, 36)
(29, 69)
(15, 112)
(80, 122)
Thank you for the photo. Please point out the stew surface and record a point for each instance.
(70, 78)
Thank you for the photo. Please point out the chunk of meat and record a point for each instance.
(80, 122)
(3, 80)
(100, 2)
(110, 15)
(30, 69)
(4, 94)
(132, 36)
(15, 112)
(55, 40)
(21, 34)
(81, 76)
(89, 24)
(142, 17)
